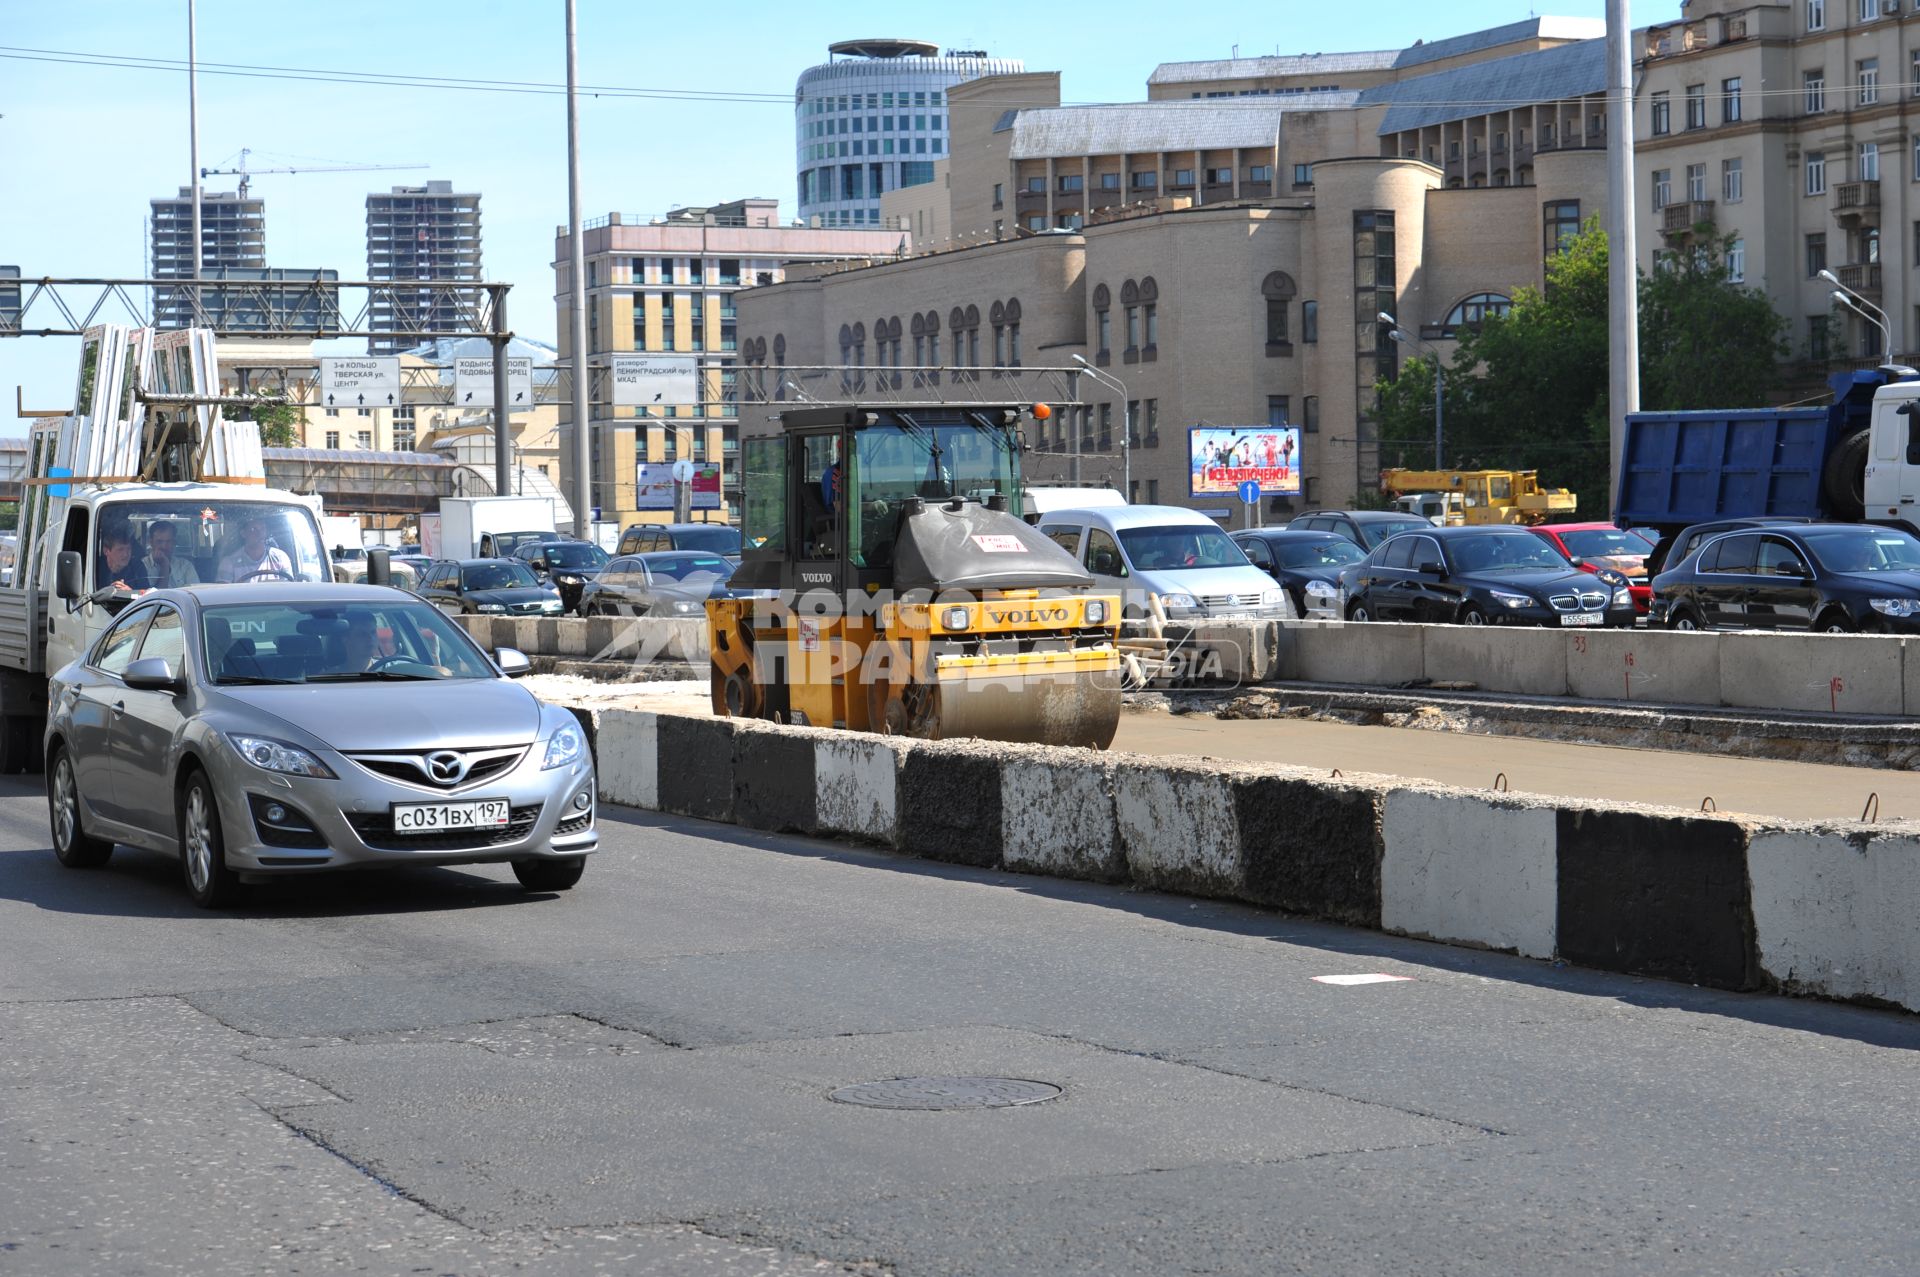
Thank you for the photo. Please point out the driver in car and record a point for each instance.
(254, 558)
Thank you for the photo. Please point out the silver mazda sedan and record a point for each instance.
(277, 728)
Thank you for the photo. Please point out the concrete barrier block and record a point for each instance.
(1309, 845)
(1834, 913)
(1238, 652)
(697, 777)
(601, 637)
(1644, 665)
(1470, 870)
(1373, 655)
(857, 785)
(1177, 826)
(525, 634)
(773, 769)
(1910, 676)
(1522, 661)
(570, 638)
(950, 802)
(1057, 814)
(1813, 673)
(1657, 894)
(627, 758)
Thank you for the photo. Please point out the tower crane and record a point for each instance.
(247, 175)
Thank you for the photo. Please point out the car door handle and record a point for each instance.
(119, 708)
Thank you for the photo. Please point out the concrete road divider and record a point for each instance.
(1373, 655)
(1708, 899)
(1526, 662)
(634, 640)
(1663, 666)
(1817, 673)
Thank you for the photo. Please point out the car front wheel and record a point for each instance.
(203, 849)
(1471, 615)
(1359, 612)
(71, 844)
(550, 875)
(1683, 619)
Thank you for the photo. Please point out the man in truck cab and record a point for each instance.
(115, 568)
(254, 558)
(163, 569)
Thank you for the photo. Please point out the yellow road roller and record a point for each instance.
(887, 583)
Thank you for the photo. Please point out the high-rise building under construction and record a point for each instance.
(425, 232)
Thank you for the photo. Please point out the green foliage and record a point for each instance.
(1528, 390)
(280, 425)
(9, 516)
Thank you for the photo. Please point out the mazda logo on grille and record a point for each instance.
(445, 766)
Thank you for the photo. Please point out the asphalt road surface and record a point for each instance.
(429, 1071)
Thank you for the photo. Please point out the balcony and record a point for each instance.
(1861, 277)
(1680, 219)
(1855, 200)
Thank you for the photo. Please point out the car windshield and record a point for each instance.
(679, 567)
(336, 643)
(1606, 543)
(1377, 530)
(497, 576)
(1504, 552)
(1181, 547)
(196, 542)
(574, 554)
(1331, 553)
(718, 539)
(1864, 549)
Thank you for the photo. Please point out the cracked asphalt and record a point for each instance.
(430, 1071)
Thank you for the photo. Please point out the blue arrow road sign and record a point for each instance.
(1249, 491)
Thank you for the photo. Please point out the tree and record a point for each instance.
(279, 425)
(1528, 390)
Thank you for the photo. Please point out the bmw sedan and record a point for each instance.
(260, 730)
(1482, 576)
(1834, 577)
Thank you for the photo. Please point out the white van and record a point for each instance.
(1176, 554)
(1038, 502)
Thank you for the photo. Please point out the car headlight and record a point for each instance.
(954, 618)
(1896, 607)
(277, 756)
(1322, 590)
(490, 607)
(565, 746)
(1513, 600)
(1096, 611)
(1272, 598)
(1177, 600)
(684, 606)
(550, 605)
(1623, 597)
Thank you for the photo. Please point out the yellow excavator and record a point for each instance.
(888, 583)
(1482, 496)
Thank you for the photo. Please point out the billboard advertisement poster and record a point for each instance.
(1221, 458)
(653, 486)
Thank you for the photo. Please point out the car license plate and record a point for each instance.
(1582, 618)
(416, 818)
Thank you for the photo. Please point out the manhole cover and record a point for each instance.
(946, 1093)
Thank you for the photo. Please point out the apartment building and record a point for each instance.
(1224, 261)
(1790, 126)
(429, 232)
(669, 285)
(233, 236)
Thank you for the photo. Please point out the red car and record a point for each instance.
(1593, 546)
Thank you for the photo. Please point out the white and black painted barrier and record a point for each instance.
(1709, 899)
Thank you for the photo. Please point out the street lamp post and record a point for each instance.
(1886, 334)
(1439, 381)
(1126, 427)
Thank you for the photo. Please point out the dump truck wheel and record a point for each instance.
(742, 696)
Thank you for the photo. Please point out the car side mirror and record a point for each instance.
(379, 567)
(153, 674)
(513, 662)
(69, 570)
(1431, 568)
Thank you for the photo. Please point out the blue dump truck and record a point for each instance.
(1857, 459)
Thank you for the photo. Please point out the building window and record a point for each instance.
(1071, 183)
(730, 270)
(403, 437)
(1146, 181)
(1103, 329)
(1869, 10)
(1662, 114)
(364, 439)
(1913, 73)
(1183, 177)
(1276, 410)
(1133, 423)
(1151, 313)
(999, 194)
(1867, 162)
(1730, 100)
(1376, 356)
(1815, 84)
(333, 436)
(1013, 343)
(1276, 322)
(1133, 328)
(669, 329)
(1106, 428)
(1696, 182)
(1737, 261)
(1037, 185)
(1816, 173)
(1220, 177)
(333, 412)
(1866, 73)
(1816, 15)
(1562, 224)
(1303, 175)
(1473, 311)
(1816, 253)
(1733, 182)
(1696, 106)
(1037, 222)
(1278, 289)
(1662, 188)
(1153, 492)
(1310, 414)
(1264, 172)
(1153, 423)
(1309, 322)
(1109, 181)
(1869, 244)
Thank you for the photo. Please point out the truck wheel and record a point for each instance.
(1844, 480)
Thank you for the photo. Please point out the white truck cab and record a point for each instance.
(1891, 485)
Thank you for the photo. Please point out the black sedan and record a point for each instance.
(1835, 577)
(1482, 576)
(565, 565)
(500, 587)
(662, 583)
(1308, 564)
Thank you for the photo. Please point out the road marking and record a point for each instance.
(1374, 977)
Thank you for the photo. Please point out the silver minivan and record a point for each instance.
(1177, 555)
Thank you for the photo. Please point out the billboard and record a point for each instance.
(1221, 458)
(653, 486)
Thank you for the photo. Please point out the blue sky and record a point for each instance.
(84, 148)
